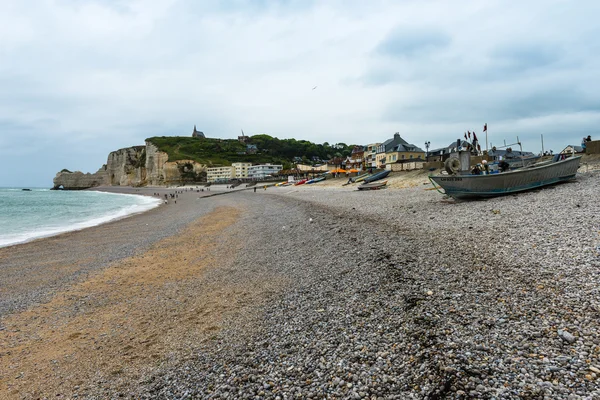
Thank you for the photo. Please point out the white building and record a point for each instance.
(264, 170)
(220, 173)
(241, 169)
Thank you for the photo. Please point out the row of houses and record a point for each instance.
(379, 155)
(392, 154)
(242, 170)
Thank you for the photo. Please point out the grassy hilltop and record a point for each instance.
(222, 152)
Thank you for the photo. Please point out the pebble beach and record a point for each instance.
(316, 291)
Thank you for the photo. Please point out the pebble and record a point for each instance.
(503, 293)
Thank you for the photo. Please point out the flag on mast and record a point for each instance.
(485, 127)
(474, 137)
(465, 135)
(469, 132)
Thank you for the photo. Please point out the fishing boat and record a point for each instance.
(520, 162)
(315, 180)
(465, 185)
(360, 178)
(373, 186)
(377, 176)
(302, 182)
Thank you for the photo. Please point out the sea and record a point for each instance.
(31, 214)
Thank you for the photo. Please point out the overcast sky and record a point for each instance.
(81, 78)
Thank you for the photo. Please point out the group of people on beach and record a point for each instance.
(585, 140)
(175, 195)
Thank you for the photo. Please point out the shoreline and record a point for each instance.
(106, 218)
(73, 254)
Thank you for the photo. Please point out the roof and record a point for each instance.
(503, 152)
(405, 148)
(578, 149)
(387, 142)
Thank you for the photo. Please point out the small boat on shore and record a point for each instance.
(465, 185)
(315, 180)
(377, 176)
(302, 182)
(373, 186)
(360, 178)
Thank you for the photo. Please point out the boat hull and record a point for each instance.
(373, 186)
(474, 186)
(377, 176)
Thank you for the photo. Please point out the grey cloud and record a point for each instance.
(410, 42)
(492, 103)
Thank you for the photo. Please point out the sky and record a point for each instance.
(82, 78)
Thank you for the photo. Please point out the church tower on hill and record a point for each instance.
(198, 134)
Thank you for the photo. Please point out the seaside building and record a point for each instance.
(216, 174)
(443, 153)
(264, 170)
(356, 158)
(383, 148)
(241, 169)
(404, 152)
(370, 153)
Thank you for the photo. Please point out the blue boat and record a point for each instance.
(377, 176)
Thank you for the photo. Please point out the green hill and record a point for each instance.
(221, 152)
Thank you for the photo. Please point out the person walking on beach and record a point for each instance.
(254, 189)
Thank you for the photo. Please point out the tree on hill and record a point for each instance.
(220, 152)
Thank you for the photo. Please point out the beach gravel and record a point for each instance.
(406, 294)
(398, 294)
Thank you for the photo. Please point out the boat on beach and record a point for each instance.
(465, 185)
(360, 178)
(373, 186)
(377, 176)
(302, 182)
(315, 180)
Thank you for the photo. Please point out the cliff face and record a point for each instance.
(126, 167)
(133, 166)
(78, 180)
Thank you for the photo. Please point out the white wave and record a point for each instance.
(146, 203)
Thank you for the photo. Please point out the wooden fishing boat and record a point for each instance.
(464, 186)
(373, 186)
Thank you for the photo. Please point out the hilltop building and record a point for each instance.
(198, 134)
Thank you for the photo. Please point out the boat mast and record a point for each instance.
(542, 135)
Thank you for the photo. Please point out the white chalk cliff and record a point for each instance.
(133, 166)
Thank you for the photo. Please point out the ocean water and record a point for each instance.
(28, 215)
